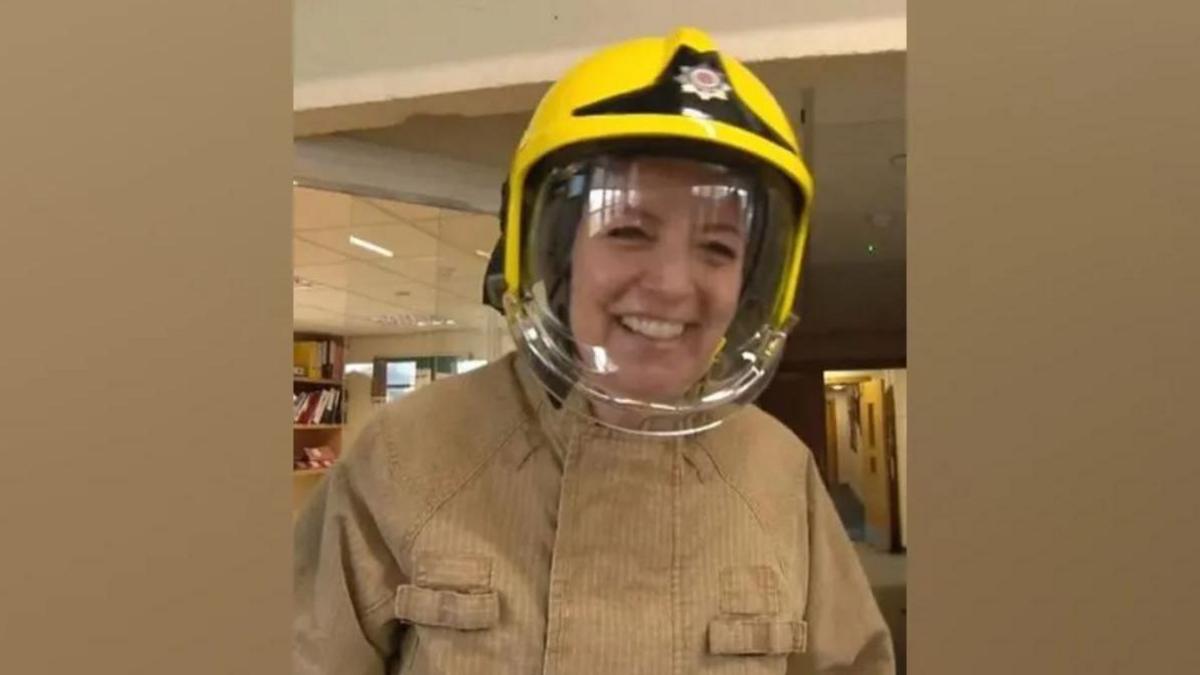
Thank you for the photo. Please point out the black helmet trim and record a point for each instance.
(693, 84)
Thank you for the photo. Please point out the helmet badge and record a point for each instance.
(704, 82)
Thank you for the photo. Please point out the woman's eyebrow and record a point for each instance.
(625, 208)
(600, 219)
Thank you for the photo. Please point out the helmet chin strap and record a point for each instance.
(720, 345)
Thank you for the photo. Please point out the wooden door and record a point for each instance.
(876, 468)
(891, 453)
(831, 441)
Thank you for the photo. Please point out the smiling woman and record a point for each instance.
(604, 500)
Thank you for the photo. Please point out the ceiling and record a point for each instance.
(432, 281)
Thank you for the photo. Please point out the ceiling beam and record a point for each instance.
(371, 170)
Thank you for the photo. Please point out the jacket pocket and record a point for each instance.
(752, 621)
(749, 589)
(759, 635)
(465, 573)
(449, 591)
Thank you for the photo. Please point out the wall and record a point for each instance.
(797, 398)
(347, 53)
(146, 310)
(850, 313)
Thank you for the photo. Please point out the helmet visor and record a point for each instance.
(652, 282)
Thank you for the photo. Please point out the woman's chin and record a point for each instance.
(648, 387)
(665, 379)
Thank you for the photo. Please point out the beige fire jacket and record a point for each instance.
(475, 529)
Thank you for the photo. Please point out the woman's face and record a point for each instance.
(656, 275)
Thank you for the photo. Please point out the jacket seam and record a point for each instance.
(378, 604)
(810, 521)
(749, 505)
(423, 519)
(341, 472)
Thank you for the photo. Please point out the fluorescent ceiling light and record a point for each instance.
(411, 320)
(483, 254)
(370, 246)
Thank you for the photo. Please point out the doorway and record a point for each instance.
(867, 453)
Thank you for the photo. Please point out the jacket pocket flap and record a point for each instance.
(447, 609)
(453, 571)
(750, 589)
(756, 636)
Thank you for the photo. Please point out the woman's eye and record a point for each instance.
(720, 250)
(629, 233)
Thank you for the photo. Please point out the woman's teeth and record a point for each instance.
(653, 328)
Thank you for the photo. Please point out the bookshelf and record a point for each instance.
(317, 381)
(318, 406)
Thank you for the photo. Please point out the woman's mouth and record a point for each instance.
(655, 329)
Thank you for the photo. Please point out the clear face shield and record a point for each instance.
(650, 287)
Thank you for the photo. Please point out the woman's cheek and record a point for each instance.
(588, 311)
(724, 295)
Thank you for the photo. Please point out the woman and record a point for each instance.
(606, 501)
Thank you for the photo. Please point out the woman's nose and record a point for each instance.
(670, 269)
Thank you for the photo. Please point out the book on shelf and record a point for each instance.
(318, 359)
(332, 411)
(319, 457)
(322, 406)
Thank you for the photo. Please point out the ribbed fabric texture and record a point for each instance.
(476, 529)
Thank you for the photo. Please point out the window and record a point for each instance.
(467, 365)
(394, 378)
(401, 378)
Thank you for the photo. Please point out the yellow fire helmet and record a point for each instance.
(653, 229)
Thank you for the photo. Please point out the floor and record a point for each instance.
(850, 510)
(887, 572)
(883, 569)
